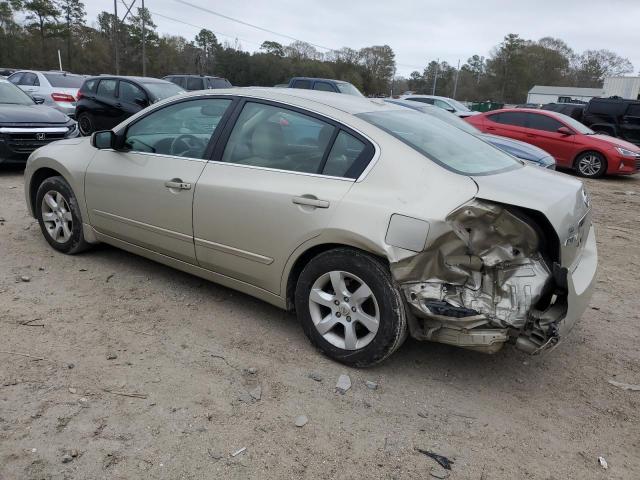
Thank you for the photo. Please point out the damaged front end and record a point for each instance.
(490, 274)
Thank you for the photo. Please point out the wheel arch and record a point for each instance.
(36, 179)
(306, 252)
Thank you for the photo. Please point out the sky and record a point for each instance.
(417, 30)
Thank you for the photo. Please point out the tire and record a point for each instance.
(59, 216)
(85, 124)
(346, 332)
(590, 165)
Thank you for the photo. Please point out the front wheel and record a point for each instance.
(591, 165)
(59, 216)
(350, 308)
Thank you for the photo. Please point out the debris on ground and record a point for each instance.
(344, 384)
(25, 278)
(301, 420)
(252, 370)
(316, 377)
(72, 390)
(439, 472)
(371, 385)
(66, 458)
(603, 463)
(441, 459)
(256, 393)
(625, 386)
(238, 452)
(111, 356)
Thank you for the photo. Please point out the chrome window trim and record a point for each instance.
(177, 157)
(279, 170)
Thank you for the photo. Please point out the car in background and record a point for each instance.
(616, 116)
(524, 151)
(105, 101)
(372, 221)
(573, 110)
(198, 82)
(58, 89)
(26, 126)
(5, 72)
(572, 144)
(324, 85)
(448, 104)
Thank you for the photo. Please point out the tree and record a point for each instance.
(594, 65)
(43, 14)
(208, 43)
(73, 12)
(379, 66)
(272, 48)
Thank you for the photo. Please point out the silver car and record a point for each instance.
(53, 88)
(369, 220)
(446, 103)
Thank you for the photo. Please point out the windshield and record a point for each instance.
(11, 94)
(439, 141)
(349, 89)
(160, 91)
(459, 106)
(62, 80)
(575, 124)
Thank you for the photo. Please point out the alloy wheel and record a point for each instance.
(589, 165)
(344, 310)
(56, 216)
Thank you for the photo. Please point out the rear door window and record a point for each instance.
(324, 86)
(29, 79)
(542, 122)
(517, 119)
(219, 83)
(15, 78)
(194, 83)
(305, 84)
(107, 88)
(130, 93)
(346, 156)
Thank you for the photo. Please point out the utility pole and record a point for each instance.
(144, 56)
(435, 77)
(455, 84)
(115, 35)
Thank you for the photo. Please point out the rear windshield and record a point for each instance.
(160, 91)
(446, 145)
(64, 81)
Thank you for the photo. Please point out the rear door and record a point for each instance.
(144, 196)
(507, 124)
(277, 178)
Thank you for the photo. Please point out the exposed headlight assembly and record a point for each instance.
(625, 152)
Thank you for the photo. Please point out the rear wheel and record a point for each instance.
(591, 165)
(59, 216)
(350, 308)
(85, 124)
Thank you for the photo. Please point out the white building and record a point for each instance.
(545, 94)
(625, 87)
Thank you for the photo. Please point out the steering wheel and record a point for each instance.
(184, 143)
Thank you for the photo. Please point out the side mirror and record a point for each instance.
(106, 139)
(450, 109)
(564, 131)
(141, 102)
(38, 100)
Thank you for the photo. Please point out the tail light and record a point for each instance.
(79, 95)
(62, 97)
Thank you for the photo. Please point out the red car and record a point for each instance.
(572, 144)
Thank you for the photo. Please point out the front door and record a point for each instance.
(542, 131)
(144, 195)
(276, 184)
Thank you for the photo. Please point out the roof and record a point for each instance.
(345, 103)
(413, 95)
(319, 78)
(551, 90)
(135, 79)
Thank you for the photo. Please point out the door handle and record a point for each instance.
(531, 135)
(490, 128)
(177, 184)
(311, 202)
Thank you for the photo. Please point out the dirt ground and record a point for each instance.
(106, 324)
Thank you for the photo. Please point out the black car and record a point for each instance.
(615, 116)
(324, 85)
(573, 110)
(198, 82)
(105, 101)
(25, 125)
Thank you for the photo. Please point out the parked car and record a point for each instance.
(105, 101)
(572, 144)
(617, 117)
(369, 221)
(5, 72)
(324, 85)
(524, 151)
(448, 104)
(26, 126)
(198, 82)
(573, 110)
(58, 89)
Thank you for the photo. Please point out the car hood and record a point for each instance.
(522, 150)
(559, 197)
(15, 114)
(615, 142)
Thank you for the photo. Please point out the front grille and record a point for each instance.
(638, 162)
(25, 143)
